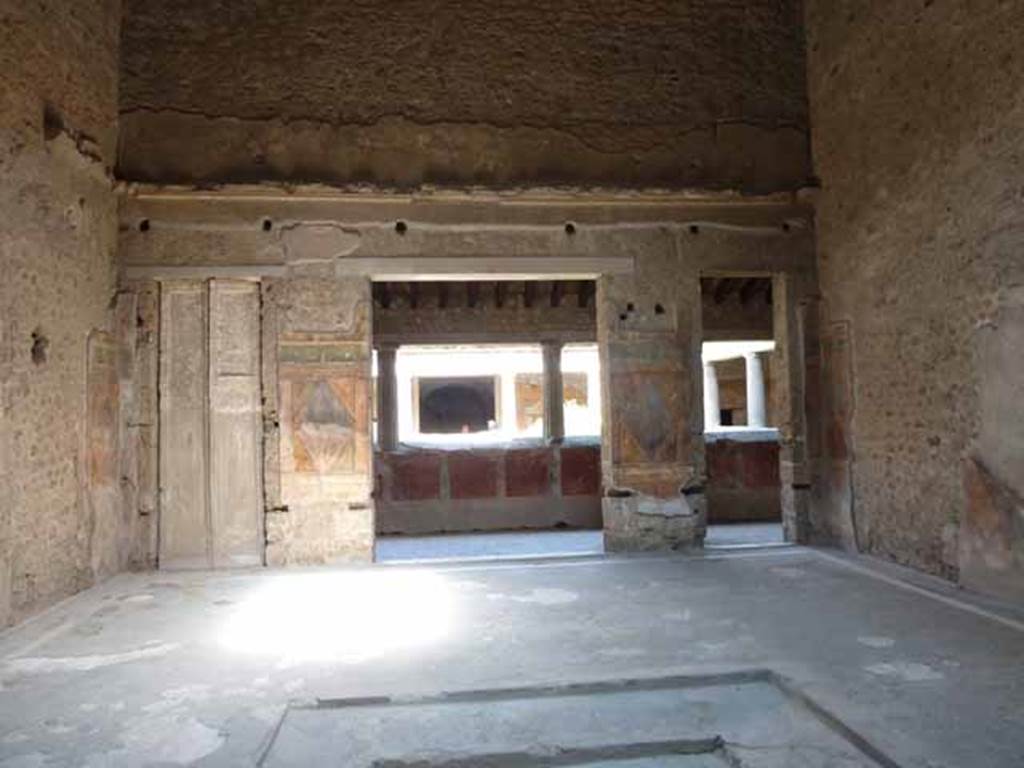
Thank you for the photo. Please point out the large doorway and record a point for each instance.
(487, 419)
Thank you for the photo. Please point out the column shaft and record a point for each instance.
(554, 413)
(387, 399)
(712, 407)
(756, 412)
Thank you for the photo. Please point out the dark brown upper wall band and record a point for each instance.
(618, 93)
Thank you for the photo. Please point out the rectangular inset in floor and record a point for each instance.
(744, 719)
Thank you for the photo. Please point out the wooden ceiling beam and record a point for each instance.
(529, 291)
(750, 288)
(723, 288)
(557, 289)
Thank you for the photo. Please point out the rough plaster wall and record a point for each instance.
(704, 93)
(917, 111)
(57, 240)
(219, 233)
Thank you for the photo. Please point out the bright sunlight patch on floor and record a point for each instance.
(341, 617)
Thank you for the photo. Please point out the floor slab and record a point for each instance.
(202, 668)
(740, 719)
(489, 546)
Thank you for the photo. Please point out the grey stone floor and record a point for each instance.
(744, 535)
(218, 668)
(533, 544)
(463, 546)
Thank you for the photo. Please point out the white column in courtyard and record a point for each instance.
(756, 414)
(508, 402)
(554, 398)
(712, 407)
(387, 398)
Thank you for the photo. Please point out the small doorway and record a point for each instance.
(741, 369)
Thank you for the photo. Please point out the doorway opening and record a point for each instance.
(741, 369)
(487, 419)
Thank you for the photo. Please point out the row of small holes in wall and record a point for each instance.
(631, 308)
(695, 229)
(267, 225)
(401, 227)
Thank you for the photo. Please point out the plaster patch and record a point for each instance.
(677, 615)
(622, 652)
(32, 760)
(45, 664)
(160, 740)
(175, 697)
(309, 243)
(542, 596)
(876, 642)
(789, 572)
(139, 598)
(907, 671)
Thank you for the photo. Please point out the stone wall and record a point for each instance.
(61, 520)
(706, 94)
(917, 112)
(521, 485)
(314, 253)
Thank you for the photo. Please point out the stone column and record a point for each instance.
(755, 391)
(508, 402)
(554, 398)
(387, 398)
(712, 408)
(797, 397)
(652, 446)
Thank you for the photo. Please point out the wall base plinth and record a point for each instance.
(645, 523)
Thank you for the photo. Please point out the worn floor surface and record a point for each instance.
(532, 544)
(489, 546)
(828, 662)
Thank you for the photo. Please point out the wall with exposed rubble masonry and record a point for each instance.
(916, 112)
(67, 516)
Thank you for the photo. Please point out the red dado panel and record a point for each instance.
(581, 471)
(415, 477)
(760, 465)
(472, 475)
(527, 473)
(722, 463)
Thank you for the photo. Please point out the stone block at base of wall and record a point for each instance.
(320, 533)
(643, 523)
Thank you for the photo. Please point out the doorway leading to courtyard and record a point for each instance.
(741, 438)
(486, 419)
